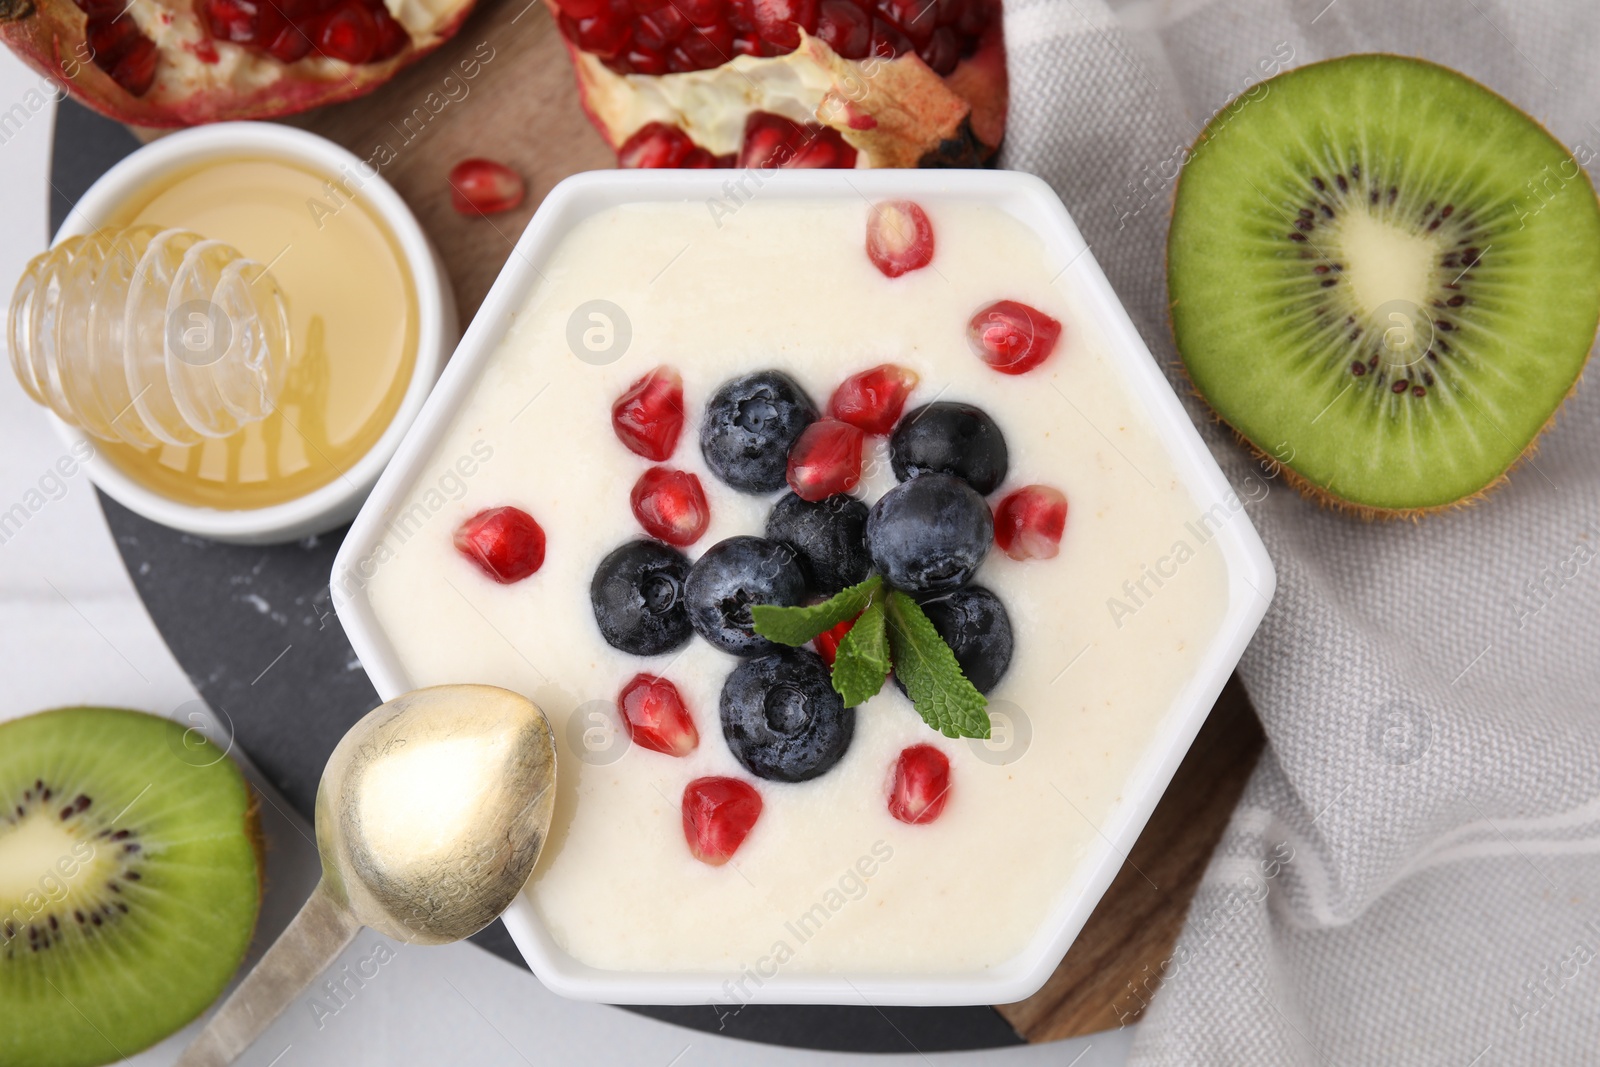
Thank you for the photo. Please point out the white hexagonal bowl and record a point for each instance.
(1250, 576)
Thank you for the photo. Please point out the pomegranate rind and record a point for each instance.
(49, 36)
(895, 113)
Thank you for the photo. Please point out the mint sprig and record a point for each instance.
(862, 661)
(939, 691)
(796, 626)
(891, 632)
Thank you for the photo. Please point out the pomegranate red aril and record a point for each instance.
(238, 21)
(1029, 522)
(291, 44)
(660, 29)
(349, 33)
(605, 33)
(655, 144)
(581, 9)
(135, 71)
(392, 37)
(505, 542)
(826, 460)
(718, 814)
(872, 400)
(779, 22)
(921, 785)
(845, 28)
(706, 47)
(671, 506)
(827, 642)
(942, 52)
(483, 187)
(899, 237)
(887, 40)
(655, 717)
(649, 417)
(1013, 337)
(774, 141)
(917, 19)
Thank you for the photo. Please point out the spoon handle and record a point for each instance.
(311, 941)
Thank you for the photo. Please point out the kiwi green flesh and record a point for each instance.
(1356, 224)
(129, 883)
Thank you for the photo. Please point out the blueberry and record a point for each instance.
(929, 534)
(829, 536)
(729, 578)
(750, 425)
(782, 719)
(974, 623)
(638, 598)
(950, 438)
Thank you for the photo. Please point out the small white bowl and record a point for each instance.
(335, 503)
(1250, 577)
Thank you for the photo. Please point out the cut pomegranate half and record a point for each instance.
(718, 814)
(671, 506)
(1013, 337)
(921, 785)
(649, 417)
(1029, 522)
(505, 542)
(899, 237)
(895, 83)
(655, 716)
(169, 63)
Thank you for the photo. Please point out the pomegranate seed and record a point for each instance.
(873, 399)
(238, 21)
(504, 541)
(1012, 337)
(705, 47)
(349, 33)
(653, 712)
(660, 29)
(942, 53)
(136, 70)
(605, 33)
(649, 417)
(887, 40)
(1028, 522)
(290, 44)
(774, 141)
(655, 144)
(581, 9)
(717, 816)
(827, 642)
(483, 187)
(392, 37)
(671, 506)
(699, 159)
(917, 19)
(921, 784)
(825, 460)
(845, 28)
(779, 22)
(899, 237)
(702, 13)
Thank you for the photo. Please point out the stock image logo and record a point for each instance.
(1400, 732)
(1010, 734)
(595, 734)
(208, 737)
(198, 332)
(598, 332)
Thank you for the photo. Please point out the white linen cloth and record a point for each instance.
(1412, 874)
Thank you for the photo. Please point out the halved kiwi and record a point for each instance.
(1385, 277)
(130, 879)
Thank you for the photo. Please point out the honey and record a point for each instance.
(353, 330)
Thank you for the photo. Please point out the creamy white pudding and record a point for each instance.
(1107, 633)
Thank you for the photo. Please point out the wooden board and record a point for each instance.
(504, 89)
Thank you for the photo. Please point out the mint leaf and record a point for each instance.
(862, 661)
(796, 626)
(939, 691)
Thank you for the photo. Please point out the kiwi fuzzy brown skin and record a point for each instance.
(153, 836)
(1326, 494)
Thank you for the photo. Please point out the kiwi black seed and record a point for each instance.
(130, 879)
(1385, 277)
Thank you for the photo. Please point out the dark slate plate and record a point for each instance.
(254, 630)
